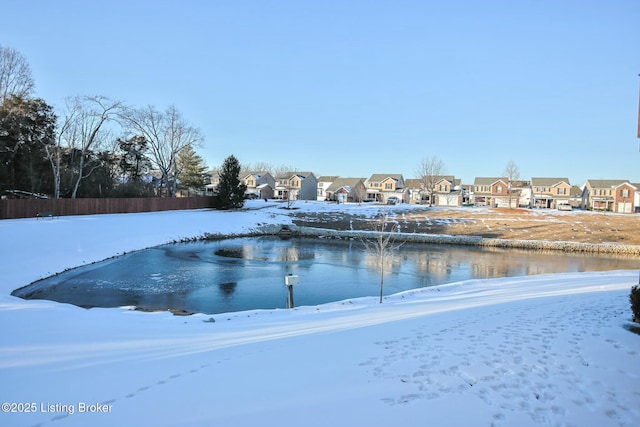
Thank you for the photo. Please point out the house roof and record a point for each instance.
(344, 182)
(449, 178)
(575, 191)
(547, 182)
(379, 177)
(289, 175)
(627, 183)
(255, 174)
(327, 178)
(488, 180)
(605, 183)
(412, 183)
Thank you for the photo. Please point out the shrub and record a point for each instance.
(634, 299)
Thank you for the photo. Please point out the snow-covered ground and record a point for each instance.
(531, 351)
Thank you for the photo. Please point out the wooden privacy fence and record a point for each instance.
(30, 208)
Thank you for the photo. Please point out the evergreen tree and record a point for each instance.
(231, 189)
(27, 128)
(191, 170)
(132, 160)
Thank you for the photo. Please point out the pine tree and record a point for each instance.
(191, 170)
(231, 189)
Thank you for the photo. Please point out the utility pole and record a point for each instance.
(638, 112)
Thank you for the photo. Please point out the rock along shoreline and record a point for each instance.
(446, 239)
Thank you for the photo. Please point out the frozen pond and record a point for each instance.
(248, 273)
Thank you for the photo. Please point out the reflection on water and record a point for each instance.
(248, 273)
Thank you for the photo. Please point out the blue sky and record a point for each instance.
(353, 88)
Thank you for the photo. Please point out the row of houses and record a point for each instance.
(543, 192)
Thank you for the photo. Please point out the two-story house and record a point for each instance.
(324, 182)
(549, 192)
(615, 195)
(382, 186)
(259, 184)
(488, 191)
(296, 186)
(446, 191)
(498, 192)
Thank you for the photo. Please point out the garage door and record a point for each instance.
(624, 207)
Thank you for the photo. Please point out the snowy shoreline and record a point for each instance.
(530, 351)
(446, 239)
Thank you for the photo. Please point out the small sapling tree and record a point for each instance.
(382, 245)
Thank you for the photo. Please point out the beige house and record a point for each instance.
(296, 186)
(614, 195)
(447, 191)
(260, 184)
(380, 187)
(549, 192)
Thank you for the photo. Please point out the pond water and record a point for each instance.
(248, 273)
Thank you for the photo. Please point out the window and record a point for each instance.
(624, 192)
(562, 191)
(388, 186)
(499, 189)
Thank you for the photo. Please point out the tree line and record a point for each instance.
(94, 147)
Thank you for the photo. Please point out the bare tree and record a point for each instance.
(382, 245)
(56, 151)
(292, 192)
(167, 134)
(84, 130)
(512, 174)
(429, 172)
(15, 74)
(360, 192)
(282, 169)
(257, 167)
